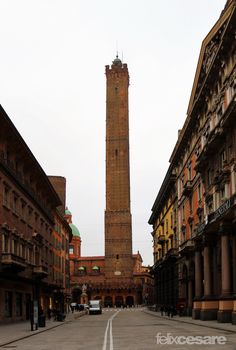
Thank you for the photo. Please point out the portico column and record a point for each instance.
(226, 304)
(234, 264)
(198, 274)
(225, 266)
(197, 304)
(234, 282)
(209, 305)
(207, 272)
(190, 293)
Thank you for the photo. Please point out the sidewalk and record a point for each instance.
(210, 324)
(12, 332)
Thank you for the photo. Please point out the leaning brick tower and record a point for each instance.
(118, 226)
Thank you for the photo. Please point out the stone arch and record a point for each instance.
(129, 300)
(108, 301)
(191, 281)
(119, 301)
(185, 282)
(76, 294)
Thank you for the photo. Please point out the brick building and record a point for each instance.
(28, 211)
(203, 164)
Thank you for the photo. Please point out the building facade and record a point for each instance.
(203, 162)
(165, 243)
(28, 206)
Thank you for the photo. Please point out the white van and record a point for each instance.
(95, 307)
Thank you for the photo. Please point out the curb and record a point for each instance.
(41, 330)
(82, 313)
(189, 322)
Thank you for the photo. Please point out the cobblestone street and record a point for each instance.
(120, 329)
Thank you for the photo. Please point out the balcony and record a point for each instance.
(40, 271)
(13, 262)
(214, 140)
(161, 239)
(186, 248)
(188, 187)
(173, 252)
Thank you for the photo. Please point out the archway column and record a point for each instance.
(209, 306)
(226, 300)
(197, 304)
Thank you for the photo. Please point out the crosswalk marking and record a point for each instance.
(123, 309)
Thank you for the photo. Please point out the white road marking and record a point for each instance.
(111, 337)
(109, 326)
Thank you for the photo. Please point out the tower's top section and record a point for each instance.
(117, 66)
(117, 61)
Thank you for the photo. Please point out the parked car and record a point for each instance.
(95, 307)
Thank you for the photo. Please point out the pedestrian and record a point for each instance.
(49, 313)
(171, 311)
(162, 310)
(168, 311)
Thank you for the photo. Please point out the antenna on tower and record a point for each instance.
(117, 49)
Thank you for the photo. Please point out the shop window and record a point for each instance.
(18, 304)
(8, 304)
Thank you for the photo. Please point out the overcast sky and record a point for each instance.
(52, 86)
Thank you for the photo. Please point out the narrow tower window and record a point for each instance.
(116, 152)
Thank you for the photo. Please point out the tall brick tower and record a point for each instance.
(118, 227)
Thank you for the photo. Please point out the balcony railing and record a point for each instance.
(13, 261)
(188, 187)
(186, 247)
(161, 239)
(40, 271)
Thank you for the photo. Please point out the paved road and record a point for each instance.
(130, 329)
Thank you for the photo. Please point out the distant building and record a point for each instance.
(90, 271)
(62, 236)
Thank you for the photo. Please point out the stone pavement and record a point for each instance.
(184, 319)
(12, 332)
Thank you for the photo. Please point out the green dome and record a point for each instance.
(67, 212)
(96, 268)
(81, 268)
(75, 231)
